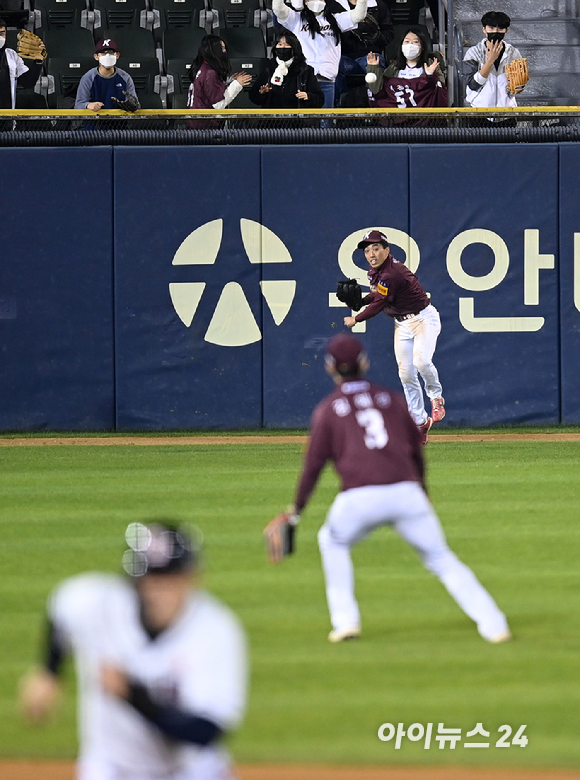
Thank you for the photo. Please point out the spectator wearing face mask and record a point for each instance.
(484, 64)
(287, 81)
(13, 71)
(103, 86)
(318, 29)
(413, 80)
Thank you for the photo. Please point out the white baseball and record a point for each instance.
(370, 78)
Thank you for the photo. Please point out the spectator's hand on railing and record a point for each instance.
(95, 106)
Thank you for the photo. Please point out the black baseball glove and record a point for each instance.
(349, 292)
(129, 104)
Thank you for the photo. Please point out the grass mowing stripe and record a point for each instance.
(509, 510)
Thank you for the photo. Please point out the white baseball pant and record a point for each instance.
(415, 342)
(208, 767)
(404, 506)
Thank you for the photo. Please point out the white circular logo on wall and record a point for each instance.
(233, 323)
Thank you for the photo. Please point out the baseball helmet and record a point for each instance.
(159, 547)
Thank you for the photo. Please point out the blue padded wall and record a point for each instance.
(56, 309)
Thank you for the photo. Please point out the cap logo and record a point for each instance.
(106, 42)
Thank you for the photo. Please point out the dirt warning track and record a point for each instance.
(158, 441)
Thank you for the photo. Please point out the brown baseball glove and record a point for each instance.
(279, 535)
(29, 46)
(517, 75)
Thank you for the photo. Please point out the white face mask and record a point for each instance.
(2, 42)
(107, 60)
(316, 6)
(411, 51)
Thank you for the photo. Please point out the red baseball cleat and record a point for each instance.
(438, 409)
(425, 428)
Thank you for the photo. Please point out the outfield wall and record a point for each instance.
(193, 287)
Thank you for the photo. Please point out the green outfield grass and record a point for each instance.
(510, 510)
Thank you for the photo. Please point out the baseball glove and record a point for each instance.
(29, 46)
(349, 292)
(517, 75)
(279, 535)
(129, 104)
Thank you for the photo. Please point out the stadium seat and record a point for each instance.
(63, 76)
(180, 14)
(113, 15)
(71, 43)
(150, 100)
(147, 77)
(29, 99)
(405, 11)
(244, 42)
(241, 13)
(178, 77)
(180, 44)
(179, 100)
(142, 70)
(19, 17)
(235, 13)
(11, 38)
(253, 66)
(136, 43)
(62, 14)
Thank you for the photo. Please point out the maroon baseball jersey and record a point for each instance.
(398, 291)
(206, 89)
(422, 92)
(369, 435)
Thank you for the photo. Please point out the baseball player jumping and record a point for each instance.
(397, 291)
(376, 448)
(161, 665)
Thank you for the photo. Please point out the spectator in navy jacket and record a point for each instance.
(102, 86)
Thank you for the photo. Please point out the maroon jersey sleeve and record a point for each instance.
(318, 453)
(208, 88)
(398, 292)
(368, 434)
(375, 303)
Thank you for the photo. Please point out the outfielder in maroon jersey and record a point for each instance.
(367, 433)
(397, 292)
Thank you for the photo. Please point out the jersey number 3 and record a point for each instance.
(376, 436)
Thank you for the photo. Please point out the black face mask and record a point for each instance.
(495, 37)
(283, 54)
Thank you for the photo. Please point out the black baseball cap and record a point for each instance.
(158, 547)
(372, 237)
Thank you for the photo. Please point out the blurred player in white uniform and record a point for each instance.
(161, 665)
(368, 434)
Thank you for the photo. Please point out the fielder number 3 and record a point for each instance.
(376, 436)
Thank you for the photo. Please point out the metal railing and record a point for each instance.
(241, 126)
